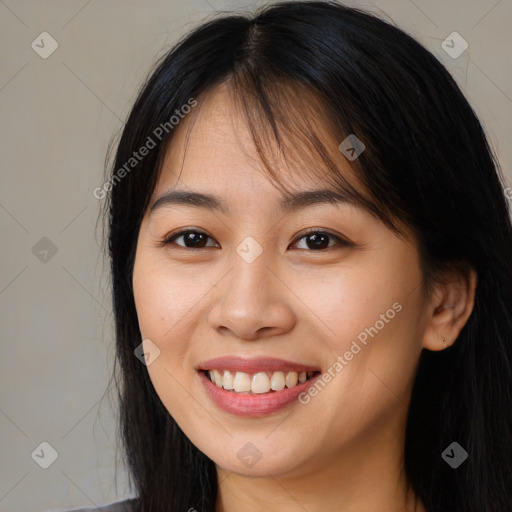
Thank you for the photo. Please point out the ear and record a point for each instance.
(451, 304)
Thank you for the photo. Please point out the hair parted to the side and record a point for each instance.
(427, 164)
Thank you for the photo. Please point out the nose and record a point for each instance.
(253, 302)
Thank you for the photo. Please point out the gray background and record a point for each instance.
(57, 117)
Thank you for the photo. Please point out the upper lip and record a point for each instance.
(253, 365)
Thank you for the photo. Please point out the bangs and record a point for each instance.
(290, 123)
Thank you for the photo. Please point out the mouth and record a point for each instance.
(257, 383)
(255, 387)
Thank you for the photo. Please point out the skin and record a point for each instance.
(344, 449)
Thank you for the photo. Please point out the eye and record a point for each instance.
(314, 240)
(192, 239)
(319, 240)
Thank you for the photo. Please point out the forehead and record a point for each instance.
(214, 145)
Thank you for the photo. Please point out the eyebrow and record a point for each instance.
(288, 203)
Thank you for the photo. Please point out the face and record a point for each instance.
(275, 294)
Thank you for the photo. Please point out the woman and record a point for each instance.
(310, 251)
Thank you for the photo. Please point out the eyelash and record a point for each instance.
(173, 236)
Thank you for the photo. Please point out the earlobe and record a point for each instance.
(450, 308)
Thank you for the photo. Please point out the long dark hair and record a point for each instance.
(427, 163)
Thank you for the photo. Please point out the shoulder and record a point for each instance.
(127, 505)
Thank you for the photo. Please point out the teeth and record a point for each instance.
(257, 383)
(227, 380)
(241, 382)
(291, 379)
(260, 383)
(277, 382)
(217, 378)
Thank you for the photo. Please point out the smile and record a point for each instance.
(259, 382)
(255, 387)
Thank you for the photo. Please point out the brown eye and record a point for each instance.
(314, 240)
(320, 240)
(192, 239)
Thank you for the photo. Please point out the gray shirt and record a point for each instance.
(127, 505)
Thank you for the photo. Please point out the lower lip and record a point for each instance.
(253, 405)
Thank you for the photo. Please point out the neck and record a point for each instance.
(367, 476)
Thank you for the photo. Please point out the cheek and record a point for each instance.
(164, 300)
(152, 297)
(165, 297)
(370, 315)
(375, 326)
(346, 304)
